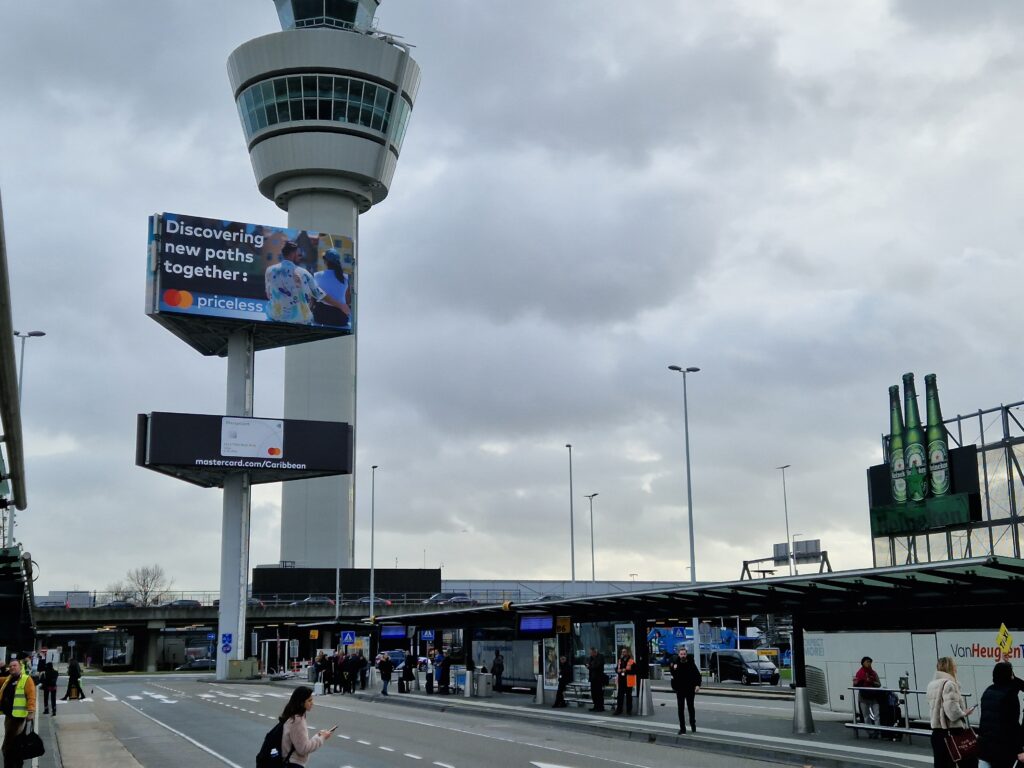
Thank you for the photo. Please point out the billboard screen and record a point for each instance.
(206, 275)
(203, 449)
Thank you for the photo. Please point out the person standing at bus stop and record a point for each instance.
(18, 703)
(685, 682)
(947, 709)
(497, 668)
(867, 701)
(625, 681)
(597, 679)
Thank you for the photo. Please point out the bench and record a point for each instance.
(882, 730)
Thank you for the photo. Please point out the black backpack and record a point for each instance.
(269, 755)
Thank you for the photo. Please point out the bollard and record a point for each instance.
(803, 722)
(417, 685)
(538, 697)
(467, 689)
(645, 706)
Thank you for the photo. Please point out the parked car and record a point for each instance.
(250, 602)
(546, 598)
(182, 604)
(193, 665)
(450, 598)
(314, 600)
(377, 601)
(397, 657)
(119, 604)
(744, 665)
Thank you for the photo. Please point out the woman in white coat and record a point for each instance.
(947, 708)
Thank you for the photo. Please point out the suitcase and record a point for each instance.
(401, 685)
(318, 686)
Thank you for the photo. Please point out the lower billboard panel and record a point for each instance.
(204, 449)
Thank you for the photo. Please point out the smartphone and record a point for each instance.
(332, 730)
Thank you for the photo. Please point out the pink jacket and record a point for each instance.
(296, 735)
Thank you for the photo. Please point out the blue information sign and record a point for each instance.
(427, 635)
(348, 638)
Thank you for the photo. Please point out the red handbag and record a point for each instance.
(962, 744)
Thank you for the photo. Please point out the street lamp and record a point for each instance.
(21, 363)
(572, 530)
(785, 506)
(590, 498)
(21, 371)
(373, 504)
(689, 502)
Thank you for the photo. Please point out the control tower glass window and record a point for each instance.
(323, 98)
(342, 14)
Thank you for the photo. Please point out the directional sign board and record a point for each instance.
(348, 638)
(427, 635)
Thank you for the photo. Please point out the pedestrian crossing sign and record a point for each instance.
(348, 638)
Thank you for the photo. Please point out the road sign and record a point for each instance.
(348, 638)
(71, 643)
(314, 634)
(1004, 640)
(226, 638)
(226, 647)
(563, 625)
(427, 635)
(679, 633)
(211, 635)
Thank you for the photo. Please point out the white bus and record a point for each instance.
(832, 659)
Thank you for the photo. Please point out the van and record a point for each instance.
(745, 665)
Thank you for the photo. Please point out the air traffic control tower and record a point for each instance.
(324, 106)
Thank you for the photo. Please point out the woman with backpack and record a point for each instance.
(296, 744)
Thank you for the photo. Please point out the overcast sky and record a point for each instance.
(804, 199)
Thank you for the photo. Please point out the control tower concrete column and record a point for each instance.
(324, 106)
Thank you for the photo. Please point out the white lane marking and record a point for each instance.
(110, 698)
(364, 743)
(186, 737)
(135, 698)
(343, 736)
(443, 765)
(411, 756)
(386, 749)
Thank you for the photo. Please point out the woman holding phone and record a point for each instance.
(296, 744)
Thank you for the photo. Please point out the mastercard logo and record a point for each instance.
(274, 451)
(175, 298)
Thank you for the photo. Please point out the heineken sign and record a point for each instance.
(914, 491)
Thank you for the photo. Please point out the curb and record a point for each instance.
(811, 756)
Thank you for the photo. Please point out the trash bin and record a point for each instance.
(311, 673)
(657, 673)
(485, 685)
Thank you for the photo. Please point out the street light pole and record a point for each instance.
(796, 571)
(21, 373)
(689, 503)
(785, 506)
(593, 572)
(572, 523)
(373, 504)
(21, 363)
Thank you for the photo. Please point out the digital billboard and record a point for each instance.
(208, 277)
(203, 449)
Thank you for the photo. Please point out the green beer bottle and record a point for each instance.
(938, 442)
(897, 469)
(915, 458)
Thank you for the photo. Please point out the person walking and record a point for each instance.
(947, 710)
(17, 703)
(50, 675)
(1000, 739)
(685, 682)
(408, 677)
(328, 673)
(74, 676)
(597, 678)
(625, 679)
(296, 744)
(386, 667)
(868, 701)
(497, 668)
(564, 678)
(445, 682)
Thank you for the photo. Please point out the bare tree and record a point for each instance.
(144, 586)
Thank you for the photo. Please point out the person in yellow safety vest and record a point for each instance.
(17, 702)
